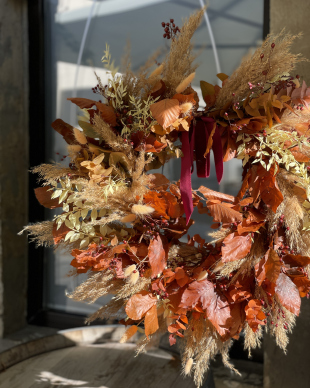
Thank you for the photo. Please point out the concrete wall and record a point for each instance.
(13, 163)
(291, 370)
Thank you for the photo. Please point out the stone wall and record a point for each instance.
(291, 370)
(13, 163)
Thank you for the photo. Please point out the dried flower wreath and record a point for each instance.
(123, 226)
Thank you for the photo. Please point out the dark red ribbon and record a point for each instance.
(196, 140)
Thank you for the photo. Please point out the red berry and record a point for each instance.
(261, 56)
(297, 76)
(163, 24)
(272, 45)
(164, 35)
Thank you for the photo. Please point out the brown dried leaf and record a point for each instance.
(165, 111)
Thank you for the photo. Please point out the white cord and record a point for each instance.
(216, 58)
(78, 64)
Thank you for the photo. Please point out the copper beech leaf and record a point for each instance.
(216, 306)
(107, 113)
(43, 195)
(83, 103)
(139, 304)
(211, 194)
(236, 247)
(296, 260)
(268, 268)
(130, 332)
(151, 321)
(222, 212)
(165, 112)
(157, 256)
(288, 294)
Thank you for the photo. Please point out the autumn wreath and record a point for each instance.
(123, 225)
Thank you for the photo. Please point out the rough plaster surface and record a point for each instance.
(291, 370)
(13, 163)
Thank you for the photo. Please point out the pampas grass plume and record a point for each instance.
(185, 83)
(79, 136)
(142, 209)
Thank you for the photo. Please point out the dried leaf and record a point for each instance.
(139, 304)
(288, 294)
(165, 111)
(151, 321)
(131, 331)
(44, 197)
(236, 247)
(107, 113)
(211, 194)
(83, 103)
(157, 256)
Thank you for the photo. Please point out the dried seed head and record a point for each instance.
(142, 209)
(188, 366)
(185, 83)
(186, 107)
(129, 270)
(79, 136)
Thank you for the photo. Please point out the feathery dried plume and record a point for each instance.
(178, 64)
(106, 133)
(50, 173)
(40, 233)
(110, 311)
(277, 60)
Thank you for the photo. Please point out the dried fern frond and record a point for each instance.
(281, 60)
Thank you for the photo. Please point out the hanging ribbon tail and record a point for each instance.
(185, 181)
(216, 147)
(218, 155)
(201, 139)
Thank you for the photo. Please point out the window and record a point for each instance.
(76, 32)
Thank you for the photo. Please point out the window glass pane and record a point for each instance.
(237, 27)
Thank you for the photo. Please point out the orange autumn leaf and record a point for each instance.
(222, 212)
(157, 256)
(114, 241)
(165, 112)
(64, 129)
(288, 294)
(154, 199)
(303, 285)
(211, 194)
(216, 306)
(107, 113)
(268, 268)
(182, 98)
(254, 314)
(83, 103)
(236, 247)
(59, 234)
(139, 304)
(296, 260)
(43, 195)
(158, 181)
(130, 332)
(174, 208)
(181, 277)
(210, 141)
(151, 321)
